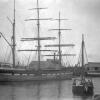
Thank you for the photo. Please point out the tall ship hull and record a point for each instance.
(50, 70)
(7, 75)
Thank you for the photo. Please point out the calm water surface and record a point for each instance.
(59, 90)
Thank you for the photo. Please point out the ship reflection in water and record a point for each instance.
(59, 90)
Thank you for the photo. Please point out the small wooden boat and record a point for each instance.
(82, 86)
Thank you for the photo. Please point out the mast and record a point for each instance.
(38, 19)
(59, 37)
(59, 42)
(82, 56)
(13, 37)
(82, 50)
(38, 25)
(13, 44)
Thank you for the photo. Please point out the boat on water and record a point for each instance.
(82, 86)
(55, 70)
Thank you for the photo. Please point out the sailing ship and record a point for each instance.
(38, 74)
(82, 86)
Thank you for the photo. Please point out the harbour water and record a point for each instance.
(55, 90)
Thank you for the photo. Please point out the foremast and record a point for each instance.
(13, 44)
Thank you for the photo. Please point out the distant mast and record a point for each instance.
(13, 37)
(59, 40)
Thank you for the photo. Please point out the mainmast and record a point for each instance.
(13, 37)
(38, 33)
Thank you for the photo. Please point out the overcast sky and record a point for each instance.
(83, 15)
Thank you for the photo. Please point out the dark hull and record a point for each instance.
(32, 71)
(82, 90)
(93, 74)
(32, 75)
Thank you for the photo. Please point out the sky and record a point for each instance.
(83, 18)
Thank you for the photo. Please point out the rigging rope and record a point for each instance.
(29, 58)
(79, 58)
(6, 54)
(9, 56)
(86, 54)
